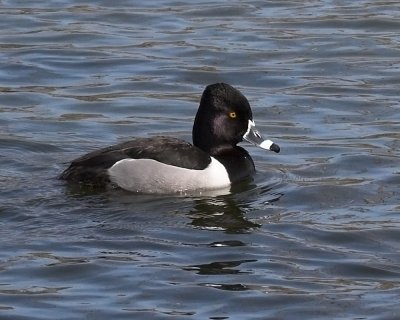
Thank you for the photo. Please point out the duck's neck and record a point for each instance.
(207, 142)
(237, 162)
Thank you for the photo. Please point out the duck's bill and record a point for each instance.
(253, 136)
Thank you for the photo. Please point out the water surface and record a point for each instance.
(315, 236)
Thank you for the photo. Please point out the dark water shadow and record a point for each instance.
(221, 214)
(220, 210)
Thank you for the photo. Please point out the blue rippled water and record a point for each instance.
(316, 237)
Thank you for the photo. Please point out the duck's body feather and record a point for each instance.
(92, 167)
(137, 175)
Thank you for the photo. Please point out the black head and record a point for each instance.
(222, 119)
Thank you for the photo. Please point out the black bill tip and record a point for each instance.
(274, 147)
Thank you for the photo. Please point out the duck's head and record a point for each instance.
(224, 119)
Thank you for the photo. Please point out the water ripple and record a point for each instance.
(314, 236)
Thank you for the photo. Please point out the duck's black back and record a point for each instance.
(92, 167)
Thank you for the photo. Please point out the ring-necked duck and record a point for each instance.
(167, 165)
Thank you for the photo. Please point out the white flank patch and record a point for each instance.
(151, 176)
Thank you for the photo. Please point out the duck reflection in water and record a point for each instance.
(224, 213)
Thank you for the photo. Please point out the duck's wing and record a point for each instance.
(93, 166)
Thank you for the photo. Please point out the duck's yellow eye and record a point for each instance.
(232, 115)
